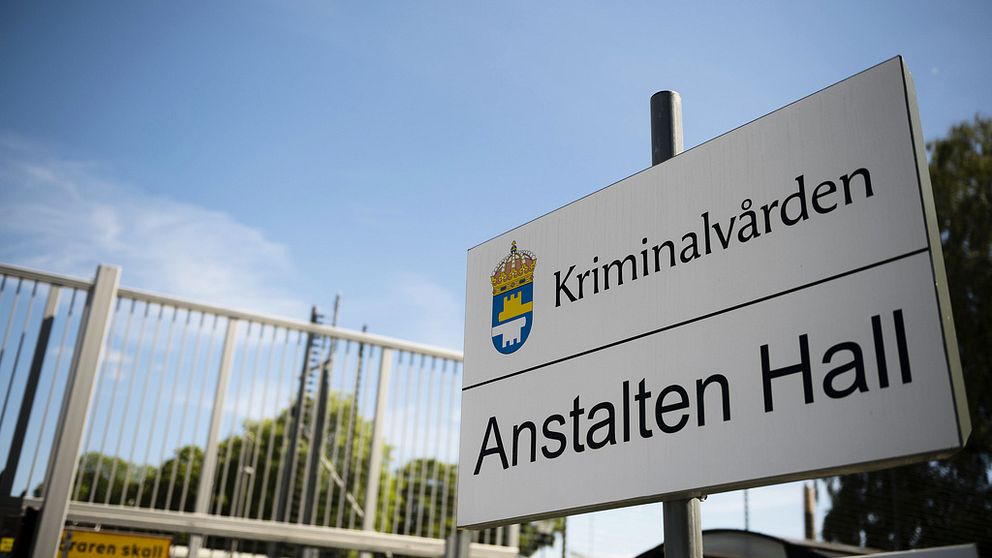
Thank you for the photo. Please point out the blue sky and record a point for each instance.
(267, 155)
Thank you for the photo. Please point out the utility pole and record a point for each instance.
(296, 423)
(747, 512)
(317, 446)
(683, 530)
(809, 519)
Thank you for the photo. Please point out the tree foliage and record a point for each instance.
(942, 502)
(419, 494)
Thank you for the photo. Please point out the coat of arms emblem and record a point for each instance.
(513, 299)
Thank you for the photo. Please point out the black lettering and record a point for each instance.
(554, 435)
(580, 277)
(660, 408)
(644, 258)
(768, 374)
(517, 429)
(846, 181)
(831, 188)
(800, 195)
(626, 411)
(689, 248)
(562, 287)
(725, 240)
(492, 428)
(857, 364)
(883, 367)
(907, 376)
(607, 423)
(706, 231)
(765, 210)
(575, 413)
(642, 396)
(619, 266)
(595, 276)
(657, 254)
(701, 396)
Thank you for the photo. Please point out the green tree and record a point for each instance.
(538, 534)
(420, 494)
(942, 502)
(424, 501)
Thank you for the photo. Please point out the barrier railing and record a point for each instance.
(255, 425)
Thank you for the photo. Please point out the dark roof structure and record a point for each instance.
(735, 543)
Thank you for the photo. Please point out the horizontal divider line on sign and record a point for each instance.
(703, 317)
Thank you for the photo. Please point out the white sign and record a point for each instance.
(769, 305)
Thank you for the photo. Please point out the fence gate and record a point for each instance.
(229, 431)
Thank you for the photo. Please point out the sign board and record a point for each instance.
(956, 551)
(92, 544)
(769, 305)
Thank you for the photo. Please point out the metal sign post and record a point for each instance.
(683, 529)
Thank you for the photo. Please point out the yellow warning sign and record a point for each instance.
(92, 544)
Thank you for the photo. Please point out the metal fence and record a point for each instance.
(209, 422)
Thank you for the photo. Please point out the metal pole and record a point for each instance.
(683, 530)
(63, 462)
(666, 126)
(285, 497)
(209, 469)
(30, 389)
(458, 544)
(375, 459)
(320, 430)
(284, 503)
(747, 512)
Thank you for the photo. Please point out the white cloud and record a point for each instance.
(436, 312)
(414, 307)
(66, 216)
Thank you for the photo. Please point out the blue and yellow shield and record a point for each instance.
(513, 299)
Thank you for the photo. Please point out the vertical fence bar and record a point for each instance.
(440, 418)
(257, 443)
(151, 429)
(311, 483)
(159, 476)
(17, 354)
(222, 480)
(430, 409)
(363, 451)
(378, 422)
(399, 434)
(95, 405)
(141, 403)
(447, 491)
(333, 485)
(61, 471)
(242, 475)
(132, 378)
(349, 443)
(284, 461)
(51, 391)
(199, 408)
(389, 431)
(206, 487)
(286, 350)
(110, 407)
(185, 410)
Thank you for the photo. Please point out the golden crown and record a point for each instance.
(514, 270)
